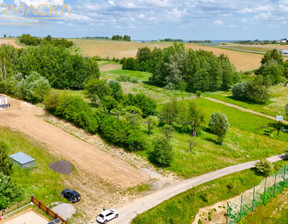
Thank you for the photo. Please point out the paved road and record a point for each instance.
(128, 212)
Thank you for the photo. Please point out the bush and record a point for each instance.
(123, 78)
(219, 125)
(75, 110)
(264, 167)
(134, 80)
(5, 163)
(145, 103)
(198, 93)
(162, 153)
(117, 90)
(9, 193)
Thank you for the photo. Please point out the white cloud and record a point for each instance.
(218, 22)
(246, 10)
(264, 15)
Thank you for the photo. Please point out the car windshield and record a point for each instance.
(102, 216)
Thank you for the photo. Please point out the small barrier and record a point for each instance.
(47, 210)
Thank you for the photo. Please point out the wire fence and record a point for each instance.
(258, 195)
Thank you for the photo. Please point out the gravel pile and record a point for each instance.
(63, 167)
(66, 211)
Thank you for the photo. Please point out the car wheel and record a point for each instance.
(105, 222)
(62, 195)
(116, 216)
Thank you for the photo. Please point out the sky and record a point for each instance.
(150, 19)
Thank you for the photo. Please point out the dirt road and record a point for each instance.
(244, 109)
(22, 117)
(128, 212)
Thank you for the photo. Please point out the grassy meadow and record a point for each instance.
(248, 138)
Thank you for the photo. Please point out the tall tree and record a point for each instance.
(96, 89)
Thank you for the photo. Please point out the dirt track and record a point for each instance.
(9, 42)
(22, 117)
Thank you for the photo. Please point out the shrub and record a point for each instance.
(134, 80)
(51, 101)
(264, 167)
(5, 163)
(162, 153)
(117, 90)
(219, 125)
(123, 78)
(9, 193)
(198, 93)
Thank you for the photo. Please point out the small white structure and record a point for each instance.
(22, 160)
(4, 101)
(284, 52)
(279, 118)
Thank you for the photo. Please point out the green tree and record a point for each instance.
(192, 144)
(272, 55)
(264, 167)
(169, 111)
(195, 117)
(5, 163)
(9, 192)
(116, 88)
(152, 122)
(167, 130)
(143, 54)
(219, 125)
(162, 153)
(96, 89)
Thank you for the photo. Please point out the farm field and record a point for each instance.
(116, 49)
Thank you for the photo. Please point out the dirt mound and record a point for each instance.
(62, 167)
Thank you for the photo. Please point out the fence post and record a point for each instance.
(253, 199)
(284, 177)
(32, 198)
(275, 184)
(39, 204)
(241, 207)
(227, 217)
(264, 191)
(47, 211)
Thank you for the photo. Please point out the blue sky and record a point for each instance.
(158, 19)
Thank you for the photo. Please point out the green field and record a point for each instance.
(275, 105)
(249, 137)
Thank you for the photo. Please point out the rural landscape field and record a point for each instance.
(143, 112)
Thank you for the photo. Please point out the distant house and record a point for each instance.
(3, 101)
(283, 41)
(22, 160)
(284, 52)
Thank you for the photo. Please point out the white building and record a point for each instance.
(3, 101)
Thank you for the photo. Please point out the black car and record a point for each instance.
(56, 221)
(71, 195)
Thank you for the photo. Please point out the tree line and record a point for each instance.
(177, 68)
(119, 37)
(29, 40)
(62, 69)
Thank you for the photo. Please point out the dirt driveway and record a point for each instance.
(22, 117)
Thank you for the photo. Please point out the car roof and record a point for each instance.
(105, 212)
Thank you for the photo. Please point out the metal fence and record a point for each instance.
(258, 195)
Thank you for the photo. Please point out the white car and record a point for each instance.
(107, 215)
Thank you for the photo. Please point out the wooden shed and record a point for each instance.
(22, 160)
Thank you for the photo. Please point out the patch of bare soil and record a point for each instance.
(159, 177)
(109, 67)
(9, 42)
(21, 116)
